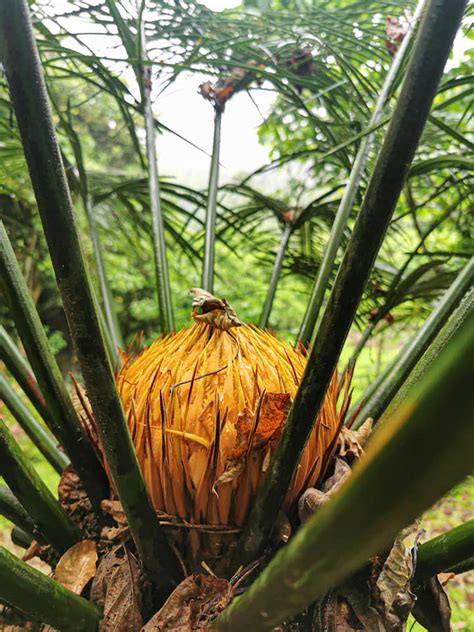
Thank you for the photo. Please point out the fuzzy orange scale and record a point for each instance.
(206, 408)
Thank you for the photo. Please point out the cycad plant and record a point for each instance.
(206, 479)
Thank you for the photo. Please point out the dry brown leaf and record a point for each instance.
(445, 578)
(192, 605)
(212, 310)
(114, 534)
(233, 469)
(76, 504)
(77, 566)
(395, 599)
(114, 509)
(395, 32)
(432, 609)
(310, 501)
(351, 442)
(341, 471)
(116, 589)
(362, 434)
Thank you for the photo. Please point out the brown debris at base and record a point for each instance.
(351, 442)
(197, 601)
(313, 499)
(77, 566)
(116, 589)
(76, 504)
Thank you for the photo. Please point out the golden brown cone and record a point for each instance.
(206, 409)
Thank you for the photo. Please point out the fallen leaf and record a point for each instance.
(432, 609)
(116, 589)
(114, 534)
(77, 566)
(310, 501)
(192, 605)
(445, 578)
(114, 508)
(341, 471)
(395, 599)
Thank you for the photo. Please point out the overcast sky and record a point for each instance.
(240, 150)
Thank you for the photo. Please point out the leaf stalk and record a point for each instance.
(64, 422)
(43, 599)
(33, 494)
(276, 272)
(340, 221)
(207, 282)
(38, 435)
(444, 552)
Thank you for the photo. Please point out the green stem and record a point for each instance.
(33, 494)
(20, 537)
(65, 424)
(465, 309)
(33, 429)
(340, 221)
(159, 244)
(111, 319)
(43, 599)
(396, 481)
(383, 389)
(388, 304)
(277, 266)
(112, 328)
(463, 567)
(29, 98)
(207, 281)
(104, 328)
(13, 511)
(445, 551)
(22, 373)
(433, 44)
